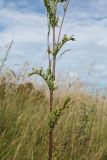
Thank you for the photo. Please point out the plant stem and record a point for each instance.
(54, 36)
(54, 56)
(51, 92)
(63, 21)
(48, 45)
(51, 130)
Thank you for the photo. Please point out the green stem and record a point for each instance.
(51, 92)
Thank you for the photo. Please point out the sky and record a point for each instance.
(24, 22)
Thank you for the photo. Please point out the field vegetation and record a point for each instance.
(54, 122)
(80, 133)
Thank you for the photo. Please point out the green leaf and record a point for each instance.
(47, 76)
(64, 40)
(46, 3)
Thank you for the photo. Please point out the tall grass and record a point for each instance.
(81, 132)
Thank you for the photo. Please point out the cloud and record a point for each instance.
(104, 74)
(100, 67)
(19, 24)
(94, 8)
(28, 30)
(73, 74)
(103, 43)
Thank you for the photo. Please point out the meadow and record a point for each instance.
(80, 133)
(59, 121)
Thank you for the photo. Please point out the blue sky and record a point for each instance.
(24, 21)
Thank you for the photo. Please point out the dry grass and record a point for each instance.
(81, 132)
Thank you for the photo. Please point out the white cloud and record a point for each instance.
(100, 67)
(28, 30)
(73, 74)
(22, 27)
(103, 42)
(105, 73)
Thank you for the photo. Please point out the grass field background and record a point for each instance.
(81, 132)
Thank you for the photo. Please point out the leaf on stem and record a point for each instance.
(64, 40)
(48, 77)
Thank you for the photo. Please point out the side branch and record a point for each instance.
(48, 77)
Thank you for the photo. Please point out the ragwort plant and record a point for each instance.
(53, 52)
